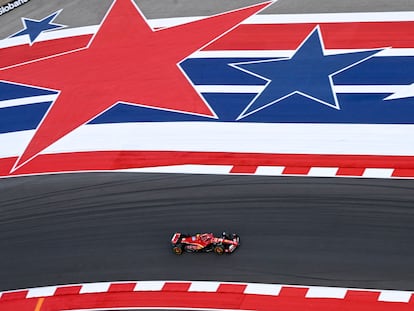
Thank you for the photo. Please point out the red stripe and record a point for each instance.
(350, 35)
(295, 163)
(24, 53)
(68, 290)
(366, 35)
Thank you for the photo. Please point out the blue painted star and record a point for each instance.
(34, 28)
(308, 73)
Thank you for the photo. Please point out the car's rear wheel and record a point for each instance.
(177, 249)
(219, 249)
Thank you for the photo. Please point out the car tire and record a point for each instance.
(177, 249)
(219, 249)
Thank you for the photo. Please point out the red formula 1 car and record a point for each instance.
(204, 243)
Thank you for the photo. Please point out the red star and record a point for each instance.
(125, 61)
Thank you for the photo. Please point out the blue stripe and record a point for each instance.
(13, 91)
(355, 108)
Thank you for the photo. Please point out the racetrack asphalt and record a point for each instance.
(94, 227)
(76, 228)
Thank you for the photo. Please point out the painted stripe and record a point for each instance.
(289, 53)
(263, 289)
(336, 37)
(41, 292)
(229, 137)
(149, 286)
(269, 170)
(214, 163)
(95, 288)
(323, 171)
(326, 292)
(395, 296)
(343, 89)
(261, 19)
(39, 304)
(27, 101)
(204, 286)
(331, 17)
(378, 172)
(214, 287)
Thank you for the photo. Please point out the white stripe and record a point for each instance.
(95, 288)
(27, 101)
(330, 17)
(263, 289)
(323, 171)
(344, 89)
(204, 286)
(395, 296)
(41, 292)
(361, 139)
(378, 172)
(326, 292)
(184, 169)
(289, 53)
(229, 88)
(270, 170)
(149, 286)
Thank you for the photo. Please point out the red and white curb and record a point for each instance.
(203, 295)
(274, 171)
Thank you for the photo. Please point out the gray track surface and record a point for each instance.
(108, 227)
(90, 12)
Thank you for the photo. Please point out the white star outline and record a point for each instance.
(268, 81)
(24, 19)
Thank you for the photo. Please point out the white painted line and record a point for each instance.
(378, 172)
(395, 296)
(189, 169)
(204, 286)
(263, 289)
(41, 292)
(249, 89)
(290, 53)
(270, 170)
(343, 89)
(326, 292)
(27, 101)
(330, 18)
(323, 171)
(149, 286)
(95, 288)
(292, 138)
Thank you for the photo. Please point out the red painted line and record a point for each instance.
(176, 287)
(14, 295)
(231, 288)
(122, 287)
(68, 290)
(298, 170)
(349, 165)
(243, 169)
(24, 53)
(350, 171)
(348, 35)
(352, 35)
